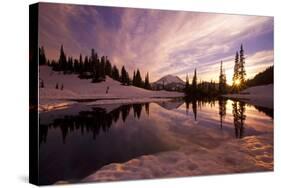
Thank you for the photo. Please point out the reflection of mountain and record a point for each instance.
(170, 105)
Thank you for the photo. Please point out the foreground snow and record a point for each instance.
(75, 88)
(251, 154)
(258, 95)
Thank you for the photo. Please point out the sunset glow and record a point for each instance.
(237, 82)
(156, 41)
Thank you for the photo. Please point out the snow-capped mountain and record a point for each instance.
(169, 82)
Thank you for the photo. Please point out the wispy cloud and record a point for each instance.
(155, 41)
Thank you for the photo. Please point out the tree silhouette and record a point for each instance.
(124, 75)
(222, 81)
(222, 110)
(194, 82)
(138, 79)
(115, 73)
(62, 60)
(108, 68)
(235, 77)
(146, 82)
(187, 86)
(93, 67)
(42, 56)
(242, 71)
(238, 111)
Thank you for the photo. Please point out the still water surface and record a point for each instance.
(78, 141)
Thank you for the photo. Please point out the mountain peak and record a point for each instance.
(168, 79)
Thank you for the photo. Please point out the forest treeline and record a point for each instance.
(97, 68)
(93, 67)
(263, 78)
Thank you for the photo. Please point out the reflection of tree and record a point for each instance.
(222, 110)
(194, 108)
(93, 121)
(266, 111)
(238, 111)
(125, 110)
(137, 110)
(147, 108)
(43, 134)
(186, 106)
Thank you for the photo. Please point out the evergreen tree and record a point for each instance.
(96, 69)
(134, 78)
(194, 82)
(128, 80)
(235, 78)
(187, 86)
(138, 79)
(108, 68)
(76, 66)
(124, 79)
(102, 68)
(222, 81)
(62, 59)
(115, 73)
(86, 62)
(146, 82)
(80, 64)
(42, 56)
(242, 72)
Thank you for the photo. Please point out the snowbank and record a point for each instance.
(251, 154)
(258, 95)
(75, 88)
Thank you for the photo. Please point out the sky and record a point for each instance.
(160, 42)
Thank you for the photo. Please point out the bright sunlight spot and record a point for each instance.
(236, 82)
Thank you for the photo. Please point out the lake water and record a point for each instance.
(78, 141)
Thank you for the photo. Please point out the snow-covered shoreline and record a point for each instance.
(194, 161)
(55, 104)
(251, 154)
(70, 89)
(259, 95)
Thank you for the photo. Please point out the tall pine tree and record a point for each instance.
(108, 68)
(124, 74)
(235, 78)
(138, 79)
(62, 60)
(146, 82)
(222, 81)
(42, 56)
(187, 86)
(115, 73)
(242, 71)
(194, 82)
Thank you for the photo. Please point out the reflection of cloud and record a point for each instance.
(161, 42)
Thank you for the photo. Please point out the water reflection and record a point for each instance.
(238, 111)
(222, 110)
(94, 121)
(98, 119)
(193, 106)
(96, 136)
